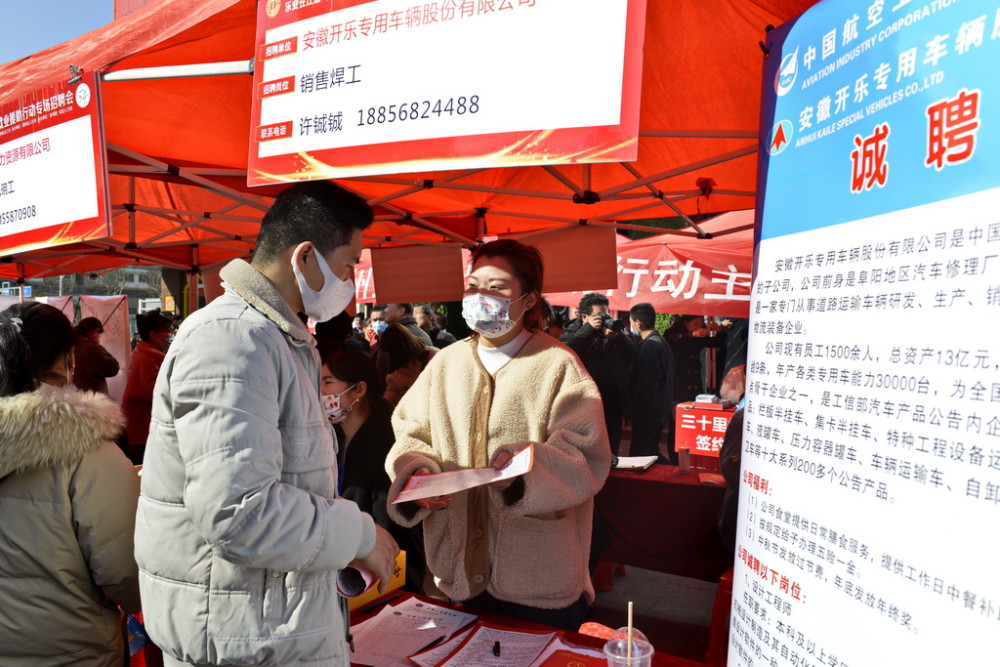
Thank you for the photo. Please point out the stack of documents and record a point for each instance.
(429, 635)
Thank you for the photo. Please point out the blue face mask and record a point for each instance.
(380, 327)
(633, 332)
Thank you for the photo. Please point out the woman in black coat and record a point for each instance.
(361, 417)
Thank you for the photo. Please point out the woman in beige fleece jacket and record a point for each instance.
(519, 548)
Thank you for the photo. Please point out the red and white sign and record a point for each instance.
(53, 186)
(701, 430)
(346, 88)
(52, 174)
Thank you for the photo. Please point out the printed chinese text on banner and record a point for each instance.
(345, 88)
(871, 451)
(52, 175)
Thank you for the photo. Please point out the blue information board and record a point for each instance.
(894, 94)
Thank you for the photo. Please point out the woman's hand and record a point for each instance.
(435, 503)
(500, 461)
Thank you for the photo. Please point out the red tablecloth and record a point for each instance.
(665, 521)
(659, 659)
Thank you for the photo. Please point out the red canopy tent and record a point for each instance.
(177, 141)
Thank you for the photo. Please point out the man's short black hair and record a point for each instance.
(589, 300)
(644, 314)
(426, 310)
(317, 211)
(407, 307)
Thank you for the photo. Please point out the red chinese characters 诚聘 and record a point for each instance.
(952, 125)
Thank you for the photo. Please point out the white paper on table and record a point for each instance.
(396, 632)
(446, 618)
(557, 644)
(634, 462)
(516, 648)
(431, 657)
(443, 483)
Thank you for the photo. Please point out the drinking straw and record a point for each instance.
(629, 656)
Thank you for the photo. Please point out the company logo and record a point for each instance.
(83, 95)
(789, 69)
(781, 136)
(273, 8)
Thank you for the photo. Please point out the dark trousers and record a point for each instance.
(646, 437)
(613, 422)
(568, 618)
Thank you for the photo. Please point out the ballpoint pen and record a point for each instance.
(378, 603)
(432, 644)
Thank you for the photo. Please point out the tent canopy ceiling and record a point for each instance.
(169, 138)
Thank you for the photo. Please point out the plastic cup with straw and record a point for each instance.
(628, 647)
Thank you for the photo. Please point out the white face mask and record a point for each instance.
(331, 299)
(334, 411)
(488, 314)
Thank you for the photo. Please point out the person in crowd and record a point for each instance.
(137, 400)
(94, 364)
(349, 386)
(441, 320)
(688, 336)
(552, 322)
(337, 332)
(650, 382)
(240, 533)
(376, 325)
(424, 316)
(402, 314)
(730, 456)
(478, 403)
(737, 332)
(607, 355)
(67, 497)
(399, 358)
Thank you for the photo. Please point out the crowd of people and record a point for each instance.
(271, 456)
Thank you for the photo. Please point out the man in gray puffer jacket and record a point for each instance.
(239, 533)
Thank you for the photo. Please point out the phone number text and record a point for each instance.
(17, 214)
(394, 113)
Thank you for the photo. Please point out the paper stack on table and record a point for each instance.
(384, 640)
(493, 646)
(489, 645)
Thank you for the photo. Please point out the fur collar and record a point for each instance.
(263, 297)
(54, 426)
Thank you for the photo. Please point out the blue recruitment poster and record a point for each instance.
(870, 482)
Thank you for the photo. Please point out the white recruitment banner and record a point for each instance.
(870, 486)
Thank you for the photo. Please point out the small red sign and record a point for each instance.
(282, 47)
(700, 430)
(276, 87)
(274, 131)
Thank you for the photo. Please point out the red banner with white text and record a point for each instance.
(53, 181)
(345, 88)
